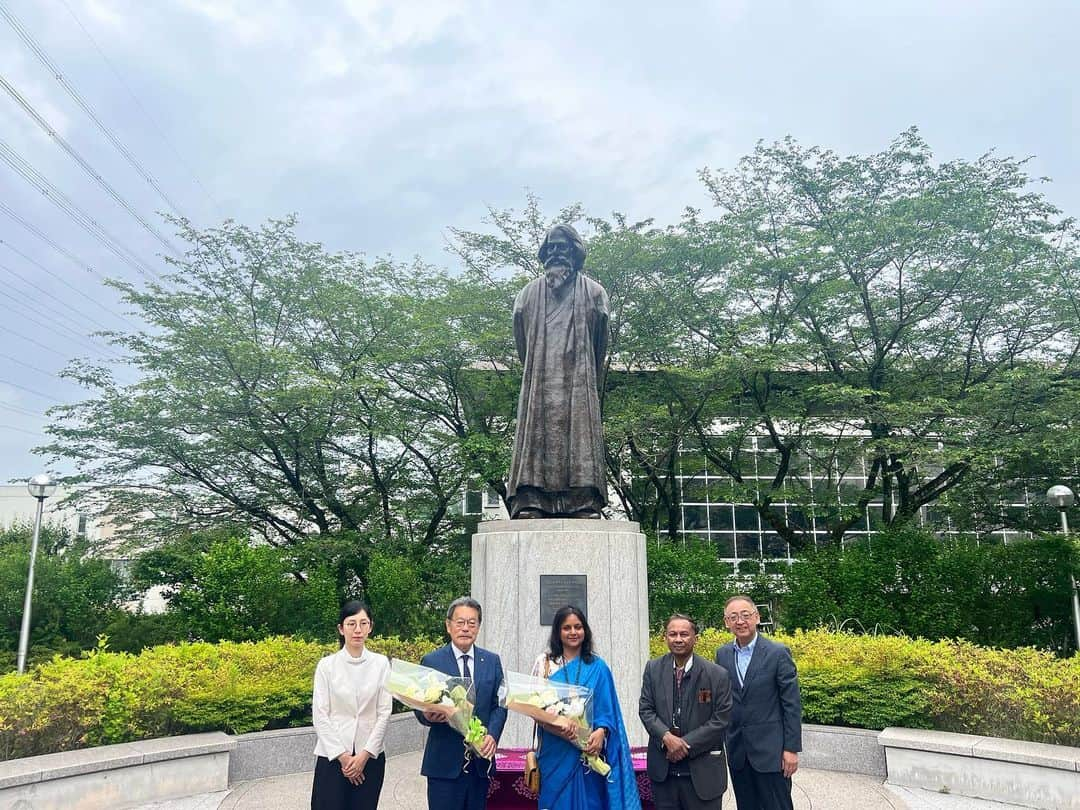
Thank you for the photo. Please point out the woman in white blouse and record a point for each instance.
(350, 709)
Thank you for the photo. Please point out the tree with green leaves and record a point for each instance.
(910, 328)
(76, 595)
(292, 393)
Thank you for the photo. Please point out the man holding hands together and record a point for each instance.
(685, 706)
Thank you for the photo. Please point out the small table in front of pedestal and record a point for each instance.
(508, 792)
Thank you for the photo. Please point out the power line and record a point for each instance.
(63, 252)
(39, 370)
(87, 267)
(28, 108)
(37, 343)
(48, 327)
(23, 411)
(30, 366)
(24, 430)
(42, 57)
(55, 375)
(51, 297)
(64, 203)
(73, 334)
(139, 104)
(31, 391)
(39, 308)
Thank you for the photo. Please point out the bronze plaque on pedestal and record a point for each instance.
(560, 590)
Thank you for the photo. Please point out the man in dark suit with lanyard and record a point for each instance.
(685, 706)
(765, 735)
(451, 783)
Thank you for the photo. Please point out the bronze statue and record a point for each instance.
(561, 331)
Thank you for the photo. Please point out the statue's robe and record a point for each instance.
(558, 462)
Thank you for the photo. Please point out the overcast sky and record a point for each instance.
(382, 123)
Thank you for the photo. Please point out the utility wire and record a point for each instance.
(24, 430)
(119, 77)
(48, 327)
(97, 178)
(23, 411)
(43, 372)
(31, 175)
(57, 74)
(48, 272)
(64, 203)
(30, 366)
(93, 321)
(87, 267)
(41, 309)
(37, 343)
(31, 391)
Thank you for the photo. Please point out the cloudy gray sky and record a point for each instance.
(382, 123)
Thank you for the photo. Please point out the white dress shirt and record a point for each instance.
(459, 657)
(350, 706)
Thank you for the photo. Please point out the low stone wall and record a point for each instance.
(274, 753)
(849, 750)
(116, 776)
(1013, 771)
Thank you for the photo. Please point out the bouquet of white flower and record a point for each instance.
(546, 701)
(428, 690)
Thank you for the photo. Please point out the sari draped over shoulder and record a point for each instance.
(565, 782)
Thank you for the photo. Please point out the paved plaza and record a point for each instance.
(404, 790)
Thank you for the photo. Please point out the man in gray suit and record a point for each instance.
(685, 706)
(765, 735)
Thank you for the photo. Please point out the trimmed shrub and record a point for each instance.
(852, 680)
(907, 581)
(108, 697)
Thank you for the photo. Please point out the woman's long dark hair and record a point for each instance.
(555, 643)
(351, 608)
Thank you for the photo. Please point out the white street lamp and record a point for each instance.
(41, 487)
(1061, 498)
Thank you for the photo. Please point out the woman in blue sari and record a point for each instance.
(566, 783)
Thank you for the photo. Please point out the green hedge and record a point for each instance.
(848, 680)
(108, 697)
(878, 681)
(908, 581)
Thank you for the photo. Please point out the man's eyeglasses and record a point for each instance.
(462, 623)
(745, 615)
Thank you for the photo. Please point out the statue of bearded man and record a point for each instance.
(561, 331)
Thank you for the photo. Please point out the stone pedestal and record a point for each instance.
(508, 559)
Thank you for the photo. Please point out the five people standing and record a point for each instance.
(747, 704)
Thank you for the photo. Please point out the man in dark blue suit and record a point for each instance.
(765, 735)
(451, 784)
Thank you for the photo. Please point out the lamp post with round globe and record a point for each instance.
(41, 486)
(1061, 497)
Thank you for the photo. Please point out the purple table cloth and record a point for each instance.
(507, 790)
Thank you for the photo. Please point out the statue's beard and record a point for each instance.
(557, 272)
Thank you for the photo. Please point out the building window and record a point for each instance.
(473, 502)
(716, 510)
